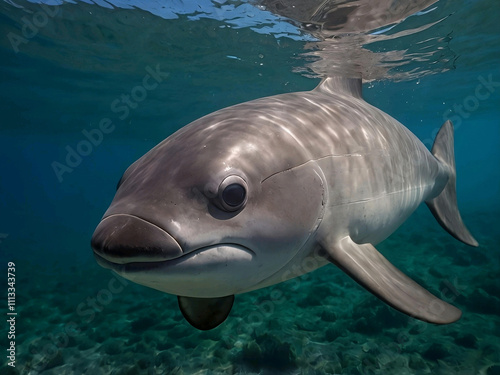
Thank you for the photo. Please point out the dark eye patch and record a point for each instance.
(234, 195)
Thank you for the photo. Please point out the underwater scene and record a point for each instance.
(88, 87)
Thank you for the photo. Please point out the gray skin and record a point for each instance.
(326, 176)
(341, 16)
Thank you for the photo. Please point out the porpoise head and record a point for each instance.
(214, 210)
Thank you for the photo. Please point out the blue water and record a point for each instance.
(66, 78)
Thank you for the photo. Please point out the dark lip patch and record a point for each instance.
(152, 266)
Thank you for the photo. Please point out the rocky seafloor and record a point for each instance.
(82, 319)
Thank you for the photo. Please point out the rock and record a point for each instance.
(112, 347)
(461, 259)
(436, 273)
(144, 363)
(416, 362)
(85, 344)
(165, 344)
(142, 324)
(269, 352)
(55, 361)
(134, 370)
(493, 370)
(165, 359)
(492, 288)
(328, 316)
(313, 299)
(8, 370)
(252, 355)
(367, 326)
(220, 353)
(417, 326)
(435, 352)
(490, 352)
(478, 258)
(178, 332)
(140, 347)
(332, 334)
(390, 318)
(480, 302)
(99, 335)
(467, 341)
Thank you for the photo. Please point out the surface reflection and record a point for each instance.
(351, 37)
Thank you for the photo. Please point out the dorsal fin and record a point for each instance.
(342, 86)
(205, 313)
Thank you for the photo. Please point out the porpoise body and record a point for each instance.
(264, 191)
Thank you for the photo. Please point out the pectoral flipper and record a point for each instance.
(374, 272)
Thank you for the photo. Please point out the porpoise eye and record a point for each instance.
(232, 193)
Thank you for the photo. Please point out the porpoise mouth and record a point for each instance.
(127, 243)
(124, 238)
(232, 252)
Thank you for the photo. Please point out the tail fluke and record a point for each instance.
(444, 206)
